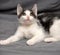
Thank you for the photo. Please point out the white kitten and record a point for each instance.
(28, 27)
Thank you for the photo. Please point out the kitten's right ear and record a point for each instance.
(34, 9)
(19, 9)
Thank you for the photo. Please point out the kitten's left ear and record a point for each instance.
(34, 9)
(19, 9)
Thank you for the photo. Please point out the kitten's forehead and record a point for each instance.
(27, 12)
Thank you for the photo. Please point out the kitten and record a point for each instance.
(51, 23)
(28, 27)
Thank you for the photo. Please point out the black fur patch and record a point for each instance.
(49, 19)
(32, 14)
(20, 14)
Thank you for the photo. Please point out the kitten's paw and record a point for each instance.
(49, 40)
(3, 42)
(30, 43)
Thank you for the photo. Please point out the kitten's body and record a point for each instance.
(51, 23)
(28, 27)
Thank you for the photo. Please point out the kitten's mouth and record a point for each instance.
(27, 22)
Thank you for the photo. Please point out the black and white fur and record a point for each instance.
(28, 27)
(51, 23)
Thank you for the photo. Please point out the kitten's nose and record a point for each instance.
(28, 18)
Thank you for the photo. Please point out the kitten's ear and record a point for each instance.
(34, 9)
(19, 9)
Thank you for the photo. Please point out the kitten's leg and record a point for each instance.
(48, 40)
(17, 36)
(36, 38)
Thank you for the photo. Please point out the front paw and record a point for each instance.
(30, 42)
(3, 42)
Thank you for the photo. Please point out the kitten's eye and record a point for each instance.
(31, 14)
(24, 14)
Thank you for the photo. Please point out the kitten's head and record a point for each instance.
(26, 16)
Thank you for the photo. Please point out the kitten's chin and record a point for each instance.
(26, 23)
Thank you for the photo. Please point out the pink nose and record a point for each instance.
(28, 18)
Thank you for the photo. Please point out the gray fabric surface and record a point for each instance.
(8, 26)
(9, 6)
